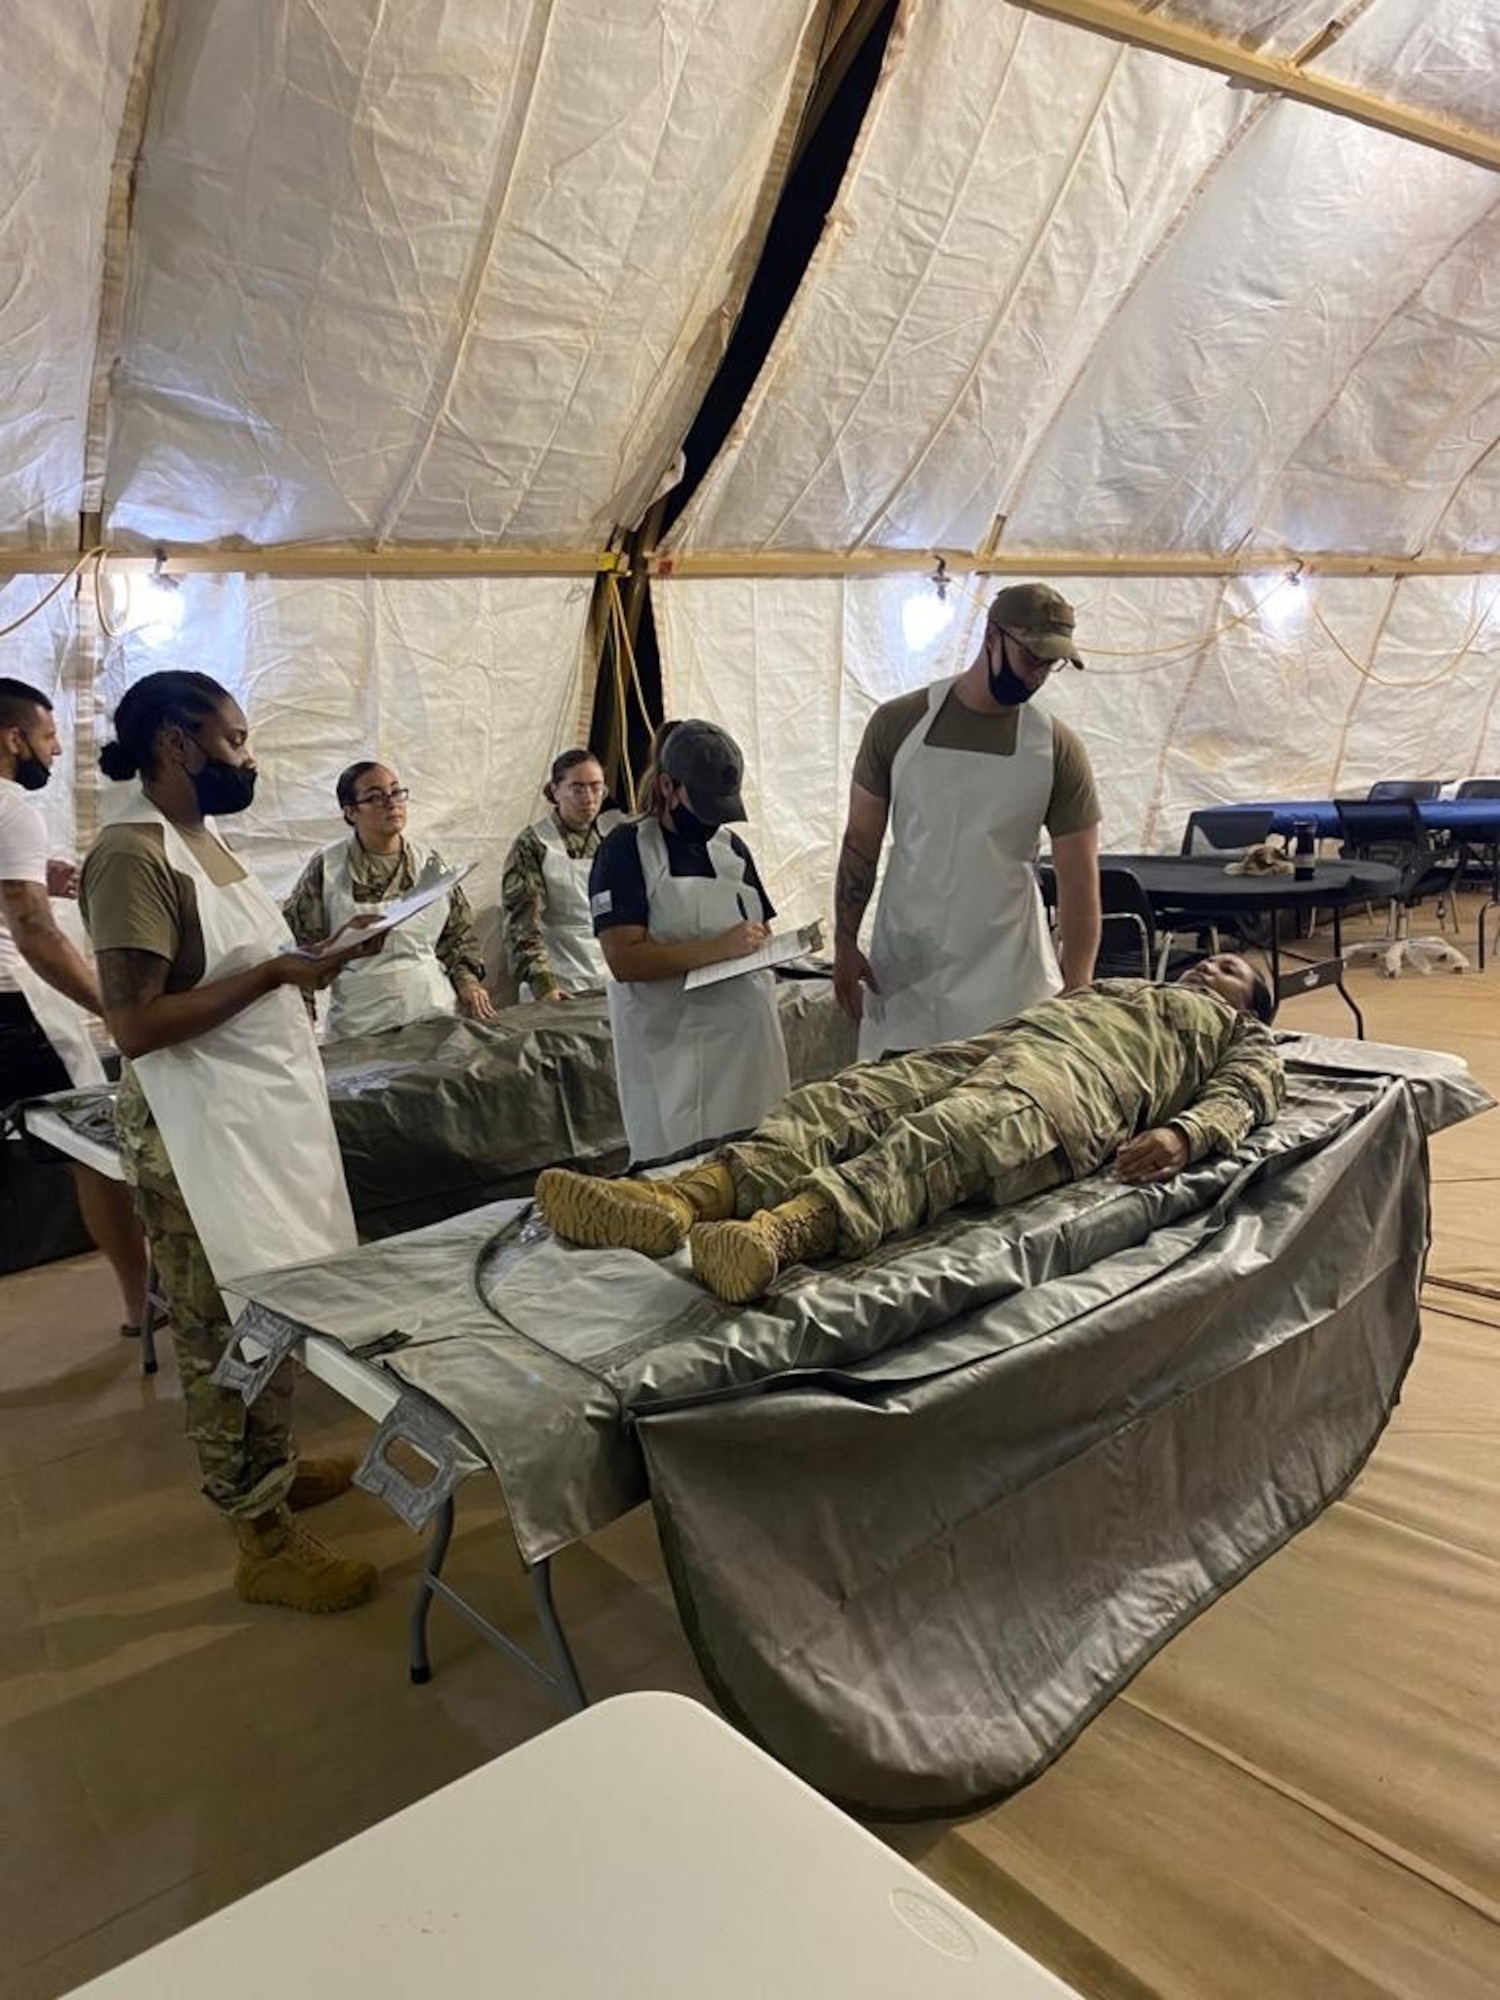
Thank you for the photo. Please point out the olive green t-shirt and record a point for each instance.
(1073, 804)
(133, 899)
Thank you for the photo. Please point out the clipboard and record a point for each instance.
(775, 951)
(403, 909)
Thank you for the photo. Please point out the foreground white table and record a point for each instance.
(641, 1850)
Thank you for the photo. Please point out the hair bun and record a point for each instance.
(115, 761)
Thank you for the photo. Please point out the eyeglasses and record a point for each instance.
(397, 796)
(588, 791)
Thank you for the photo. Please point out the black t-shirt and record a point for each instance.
(617, 881)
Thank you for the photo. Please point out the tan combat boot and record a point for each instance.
(653, 1217)
(321, 1479)
(738, 1261)
(280, 1563)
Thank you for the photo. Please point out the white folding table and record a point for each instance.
(375, 1393)
(641, 1849)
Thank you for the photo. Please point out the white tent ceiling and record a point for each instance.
(456, 274)
(1125, 309)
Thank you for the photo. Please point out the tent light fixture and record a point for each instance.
(928, 611)
(1283, 603)
(146, 607)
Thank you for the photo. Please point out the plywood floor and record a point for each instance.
(1298, 1800)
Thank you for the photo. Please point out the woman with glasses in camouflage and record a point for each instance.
(431, 964)
(549, 930)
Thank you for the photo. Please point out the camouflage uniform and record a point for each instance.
(380, 878)
(1043, 1099)
(523, 897)
(248, 1457)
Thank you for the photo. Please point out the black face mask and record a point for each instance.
(223, 788)
(1006, 684)
(687, 823)
(31, 772)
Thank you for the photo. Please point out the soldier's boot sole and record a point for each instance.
(736, 1261)
(614, 1215)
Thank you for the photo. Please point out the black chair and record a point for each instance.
(1481, 859)
(1405, 788)
(1127, 935)
(1393, 831)
(1130, 945)
(1225, 829)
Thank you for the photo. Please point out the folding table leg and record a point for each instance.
(557, 1671)
(437, 1551)
(1344, 993)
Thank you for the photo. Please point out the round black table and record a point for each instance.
(1188, 890)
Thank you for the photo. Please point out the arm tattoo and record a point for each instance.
(27, 909)
(130, 979)
(853, 887)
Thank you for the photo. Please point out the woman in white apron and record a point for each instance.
(549, 931)
(225, 1127)
(673, 891)
(431, 964)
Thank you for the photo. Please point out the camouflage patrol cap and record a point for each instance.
(1040, 617)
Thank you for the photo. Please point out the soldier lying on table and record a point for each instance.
(1155, 1077)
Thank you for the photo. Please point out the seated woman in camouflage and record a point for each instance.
(1155, 1077)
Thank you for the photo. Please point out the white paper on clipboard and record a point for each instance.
(405, 907)
(776, 951)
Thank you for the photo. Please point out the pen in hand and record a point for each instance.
(741, 901)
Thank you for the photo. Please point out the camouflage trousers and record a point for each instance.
(247, 1456)
(895, 1144)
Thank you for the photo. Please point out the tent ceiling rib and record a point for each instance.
(1183, 42)
(1054, 562)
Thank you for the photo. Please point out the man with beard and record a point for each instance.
(967, 773)
(225, 1128)
(47, 988)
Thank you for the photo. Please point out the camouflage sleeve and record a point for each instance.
(458, 945)
(303, 909)
(1246, 1089)
(522, 895)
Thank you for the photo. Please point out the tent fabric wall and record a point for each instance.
(437, 273)
(62, 93)
(468, 687)
(1101, 299)
(1197, 692)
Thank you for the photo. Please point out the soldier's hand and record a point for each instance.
(851, 975)
(743, 938)
(475, 1003)
(1152, 1156)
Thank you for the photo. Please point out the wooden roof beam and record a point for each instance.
(1183, 43)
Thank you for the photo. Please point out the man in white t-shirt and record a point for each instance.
(36, 954)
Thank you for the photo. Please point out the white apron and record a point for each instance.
(567, 925)
(243, 1110)
(694, 1067)
(405, 982)
(960, 939)
(61, 1020)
